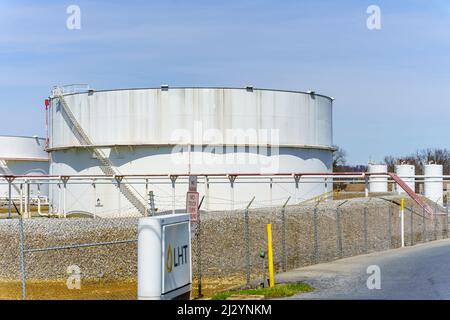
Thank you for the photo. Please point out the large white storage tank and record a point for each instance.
(433, 182)
(377, 183)
(23, 156)
(145, 131)
(407, 173)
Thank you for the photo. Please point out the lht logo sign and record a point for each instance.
(176, 257)
(164, 256)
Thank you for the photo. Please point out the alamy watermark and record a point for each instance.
(73, 21)
(74, 280)
(373, 22)
(254, 148)
(374, 280)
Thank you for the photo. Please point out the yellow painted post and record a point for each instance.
(270, 255)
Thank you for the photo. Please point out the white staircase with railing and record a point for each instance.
(131, 194)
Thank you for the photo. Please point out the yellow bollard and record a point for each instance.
(270, 255)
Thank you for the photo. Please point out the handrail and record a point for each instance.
(106, 166)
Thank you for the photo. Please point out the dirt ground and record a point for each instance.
(57, 290)
(210, 286)
(98, 290)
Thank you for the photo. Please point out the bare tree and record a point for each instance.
(339, 159)
(421, 158)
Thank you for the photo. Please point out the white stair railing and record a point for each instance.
(130, 193)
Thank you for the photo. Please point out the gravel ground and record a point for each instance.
(113, 261)
(222, 240)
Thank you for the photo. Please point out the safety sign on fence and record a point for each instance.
(192, 200)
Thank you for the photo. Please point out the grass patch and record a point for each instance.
(278, 291)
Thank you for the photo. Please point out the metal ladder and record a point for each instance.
(105, 164)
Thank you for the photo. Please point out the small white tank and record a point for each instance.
(377, 183)
(433, 182)
(406, 172)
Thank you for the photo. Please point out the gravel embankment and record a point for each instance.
(222, 239)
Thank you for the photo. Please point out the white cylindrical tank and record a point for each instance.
(433, 182)
(406, 172)
(23, 156)
(192, 131)
(377, 183)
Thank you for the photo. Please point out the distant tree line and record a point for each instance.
(340, 165)
(420, 158)
(340, 162)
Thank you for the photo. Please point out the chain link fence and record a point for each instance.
(68, 258)
(227, 245)
(87, 258)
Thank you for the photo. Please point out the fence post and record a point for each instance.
(402, 223)
(366, 186)
(27, 212)
(411, 210)
(21, 198)
(247, 242)
(339, 233)
(446, 220)
(207, 192)
(283, 234)
(10, 180)
(119, 203)
(271, 191)
(297, 182)
(232, 179)
(366, 240)
(147, 199)
(390, 226)
(22, 258)
(173, 179)
(435, 222)
(65, 180)
(199, 255)
(94, 189)
(151, 200)
(424, 226)
(316, 239)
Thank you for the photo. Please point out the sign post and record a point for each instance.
(193, 183)
(164, 257)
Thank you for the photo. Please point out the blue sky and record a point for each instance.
(391, 85)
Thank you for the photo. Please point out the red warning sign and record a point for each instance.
(192, 199)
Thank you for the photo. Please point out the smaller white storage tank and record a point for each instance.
(23, 156)
(433, 182)
(406, 172)
(377, 183)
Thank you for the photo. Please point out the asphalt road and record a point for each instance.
(418, 272)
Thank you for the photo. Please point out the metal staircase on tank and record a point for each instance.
(402, 184)
(105, 165)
